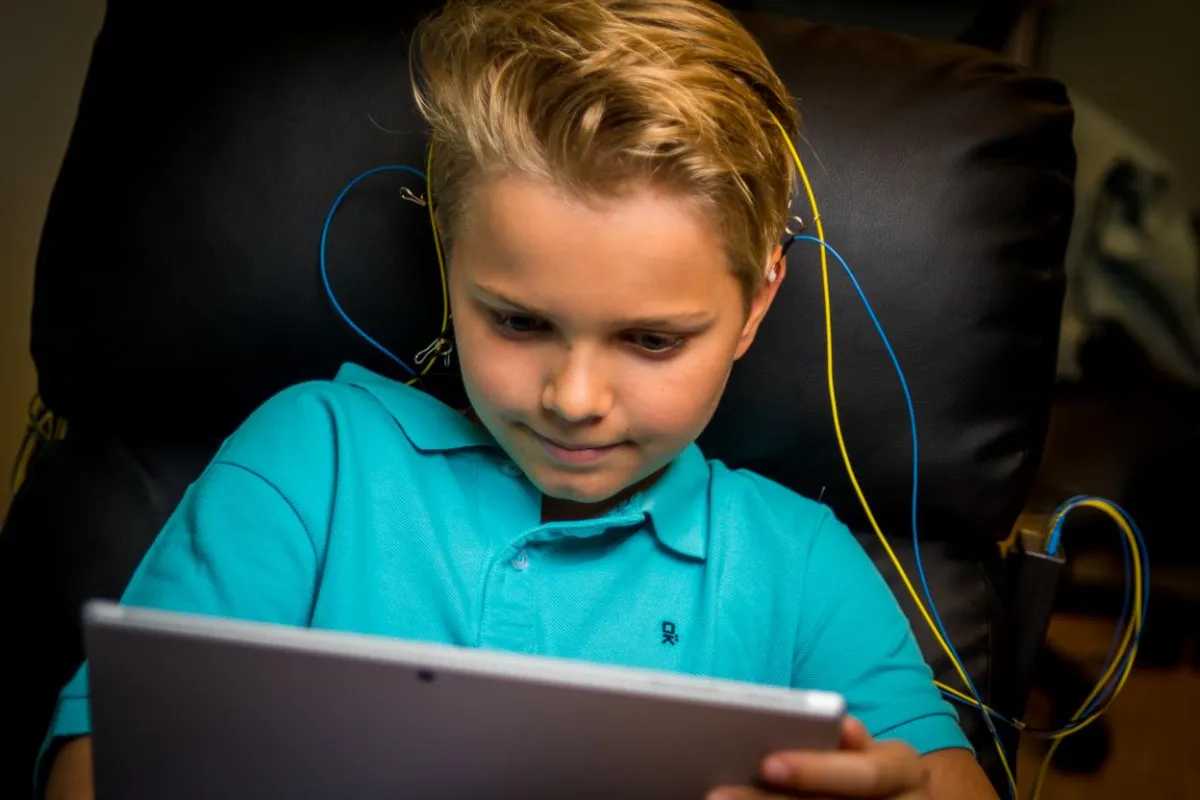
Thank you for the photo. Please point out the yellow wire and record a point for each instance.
(1016, 723)
(1136, 620)
(437, 244)
(1135, 626)
(837, 428)
(1137, 600)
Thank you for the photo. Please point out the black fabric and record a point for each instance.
(985, 23)
(944, 177)
(177, 283)
(177, 288)
(88, 510)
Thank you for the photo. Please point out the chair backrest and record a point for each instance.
(177, 285)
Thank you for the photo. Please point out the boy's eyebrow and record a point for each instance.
(687, 319)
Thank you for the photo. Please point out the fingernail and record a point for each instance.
(776, 769)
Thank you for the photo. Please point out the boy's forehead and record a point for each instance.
(529, 223)
(643, 255)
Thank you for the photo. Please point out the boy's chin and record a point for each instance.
(567, 492)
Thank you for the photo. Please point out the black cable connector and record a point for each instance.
(1031, 583)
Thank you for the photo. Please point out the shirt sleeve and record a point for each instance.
(855, 639)
(236, 546)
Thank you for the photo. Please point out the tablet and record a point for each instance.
(185, 706)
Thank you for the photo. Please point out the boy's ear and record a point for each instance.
(776, 271)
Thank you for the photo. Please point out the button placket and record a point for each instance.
(509, 618)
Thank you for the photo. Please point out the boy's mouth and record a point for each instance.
(572, 454)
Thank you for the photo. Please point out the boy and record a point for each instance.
(611, 189)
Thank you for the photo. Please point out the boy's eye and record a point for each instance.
(656, 343)
(518, 324)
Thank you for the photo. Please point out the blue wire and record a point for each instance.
(1061, 512)
(1126, 551)
(912, 420)
(1052, 544)
(1052, 541)
(1127, 559)
(1145, 557)
(325, 271)
(1142, 552)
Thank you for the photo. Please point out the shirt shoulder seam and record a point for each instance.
(271, 485)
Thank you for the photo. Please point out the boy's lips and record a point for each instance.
(574, 454)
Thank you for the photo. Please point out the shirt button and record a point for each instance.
(520, 561)
(510, 469)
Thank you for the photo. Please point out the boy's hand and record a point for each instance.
(862, 768)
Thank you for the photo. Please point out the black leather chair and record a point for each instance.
(177, 288)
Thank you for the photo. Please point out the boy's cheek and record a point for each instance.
(495, 380)
(678, 402)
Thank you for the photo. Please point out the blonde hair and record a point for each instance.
(599, 96)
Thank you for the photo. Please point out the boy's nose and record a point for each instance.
(578, 390)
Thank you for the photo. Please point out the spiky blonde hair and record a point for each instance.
(600, 96)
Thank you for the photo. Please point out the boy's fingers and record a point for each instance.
(855, 735)
(888, 769)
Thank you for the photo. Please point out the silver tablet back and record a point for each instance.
(191, 707)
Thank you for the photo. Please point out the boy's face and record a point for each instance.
(595, 341)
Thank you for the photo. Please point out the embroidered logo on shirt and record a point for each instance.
(670, 635)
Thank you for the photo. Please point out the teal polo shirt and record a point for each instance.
(361, 504)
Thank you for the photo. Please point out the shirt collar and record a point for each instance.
(676, 505)
(430, 424)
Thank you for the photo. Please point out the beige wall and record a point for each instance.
(44, 51)
(1140, 62)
